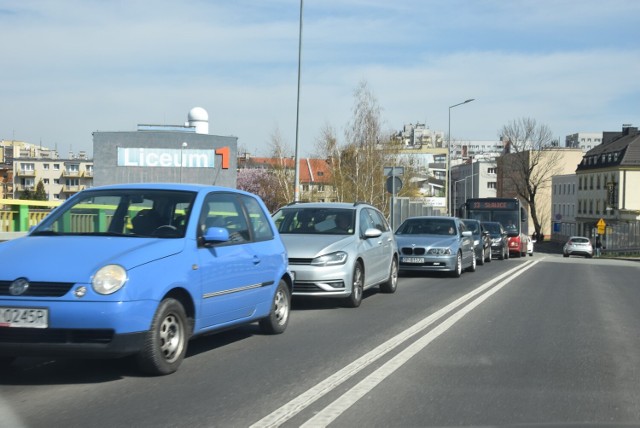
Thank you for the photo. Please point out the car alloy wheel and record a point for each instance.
(357, 286)
(278, 318)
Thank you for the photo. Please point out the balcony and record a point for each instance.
(70, 173)
(26, 173)
(72, 188)
(23, 187)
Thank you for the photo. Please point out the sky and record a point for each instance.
(72, 67)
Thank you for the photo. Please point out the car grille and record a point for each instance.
(54, 335)
(39, 289)
(298, 261)
(413, 251)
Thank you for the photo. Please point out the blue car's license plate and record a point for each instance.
(24, 317)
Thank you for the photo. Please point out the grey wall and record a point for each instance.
(107, 171)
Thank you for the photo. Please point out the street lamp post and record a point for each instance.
(449, 193)
(184, 146)
(296, 179)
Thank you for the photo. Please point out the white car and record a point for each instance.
(530, 243)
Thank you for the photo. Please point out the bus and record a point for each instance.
(507, 211)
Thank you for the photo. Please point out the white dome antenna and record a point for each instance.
(199, 118)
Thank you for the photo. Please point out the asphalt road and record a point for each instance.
(537, 340)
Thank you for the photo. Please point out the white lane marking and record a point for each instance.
(295, 406)
(349, 398)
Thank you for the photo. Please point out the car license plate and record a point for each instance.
(24, 317)
(413, 260)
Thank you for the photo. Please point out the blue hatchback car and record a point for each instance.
(139, 269)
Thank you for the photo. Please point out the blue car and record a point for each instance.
(139, 269)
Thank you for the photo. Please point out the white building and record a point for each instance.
(584, 140)
(564, 200)
(473, 180)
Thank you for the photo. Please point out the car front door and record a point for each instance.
(229, 274)
(371, 249)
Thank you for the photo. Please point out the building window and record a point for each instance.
(491, 170)
(56, 181)
(492, 185)
(56, 167)
(45, 181)
(45, 166)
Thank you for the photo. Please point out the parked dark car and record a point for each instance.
(499, 240)
(481, 240)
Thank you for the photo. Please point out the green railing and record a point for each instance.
(18, 215)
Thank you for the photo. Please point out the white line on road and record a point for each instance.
(349, 398)
(301, 402)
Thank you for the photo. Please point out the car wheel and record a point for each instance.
(472, 268)
(391, 284)
(357, 287)
(166, 341)
(278, 318)
(457, 270)
(565, 255)
(489, 255)
(506, 254)
(481, 259)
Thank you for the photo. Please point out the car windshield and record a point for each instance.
(313, 221)
(473, 226)
(131, 213)
(493, 228)
(427, 226)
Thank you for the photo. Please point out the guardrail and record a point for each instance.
(17, 215)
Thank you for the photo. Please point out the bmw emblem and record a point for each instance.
(19, 287)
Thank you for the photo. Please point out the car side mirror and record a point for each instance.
(372, 233)
(214, 235)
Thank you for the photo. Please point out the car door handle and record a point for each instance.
(256, 260)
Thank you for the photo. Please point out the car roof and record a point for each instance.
(432, 217)
(168, 186)
(343, 205)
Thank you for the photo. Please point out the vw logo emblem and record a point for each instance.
(19, 287)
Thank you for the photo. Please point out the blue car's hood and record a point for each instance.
(76, 258)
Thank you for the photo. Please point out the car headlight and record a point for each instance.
(439, 251)
(109, 279)
(476, 242)
(337, 258)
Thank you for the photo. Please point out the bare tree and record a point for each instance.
(283, 168)
(528, 163)
(357, 166)
(328, 148)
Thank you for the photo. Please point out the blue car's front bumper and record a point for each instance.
(82, 329)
